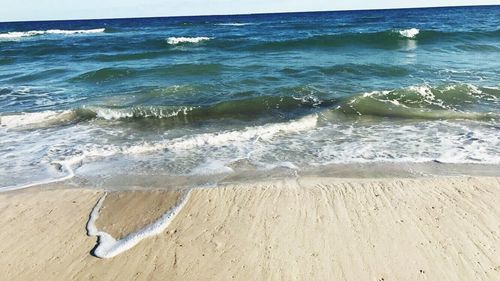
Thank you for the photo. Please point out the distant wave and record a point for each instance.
(380, 70)
(109, 74)
(389, 39)
(21, 34)
(409, 33)
(180, 40)
(386, 39)
(478, 47)
(233, 24)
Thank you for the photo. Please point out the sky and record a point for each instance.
(21, 10)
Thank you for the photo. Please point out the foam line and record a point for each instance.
(65, 166)
(27, 119)
(108, 247)
(214, 139)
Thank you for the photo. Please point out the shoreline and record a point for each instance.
(245, 173)
(441, 227)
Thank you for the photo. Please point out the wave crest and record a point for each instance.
(388, 39)
(180, 40)
(140, 112)
(21, 34)
(36, 119)
(424, 102)
(409, 33)
(236, 109)
(457, 101)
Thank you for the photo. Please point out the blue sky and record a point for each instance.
(12, 10)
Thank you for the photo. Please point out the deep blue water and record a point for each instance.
(202, 95)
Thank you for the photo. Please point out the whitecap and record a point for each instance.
(21, 34)
(34, 119)
(179, 40)
(409, 33)
(143, 112)
(68, 32)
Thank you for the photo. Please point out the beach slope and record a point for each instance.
(437, 228)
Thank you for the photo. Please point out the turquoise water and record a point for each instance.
(197, 96)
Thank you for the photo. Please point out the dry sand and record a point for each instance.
(440, 228)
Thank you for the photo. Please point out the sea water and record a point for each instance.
(211, 96)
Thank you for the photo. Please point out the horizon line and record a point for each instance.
(253, 14)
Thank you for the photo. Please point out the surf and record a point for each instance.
(23, 34)
(184, 40)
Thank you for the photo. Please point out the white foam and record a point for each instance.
(26, 119)
(211, 167)
(115, 114)
(429, 97)
(65, 166)
(16, 35)
(51, 117)
(409, 33)
(179, 40)
(424, 91)
(69, 32)
(259, 132)
(310, 98)
(108, 247)
(256, 133)
(21, 34)
(285, 164)
(447, 142)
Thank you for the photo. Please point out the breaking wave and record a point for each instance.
(425, 102)
(409, 33)
(21, 34)
(180, 40)
(415, 102)
(37, 119)
(253, 133)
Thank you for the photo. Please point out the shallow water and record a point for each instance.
(206, 97)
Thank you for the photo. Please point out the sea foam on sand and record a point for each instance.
(108, 247)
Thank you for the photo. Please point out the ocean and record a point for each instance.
(193, 100)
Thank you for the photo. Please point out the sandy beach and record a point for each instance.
(310, 228)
